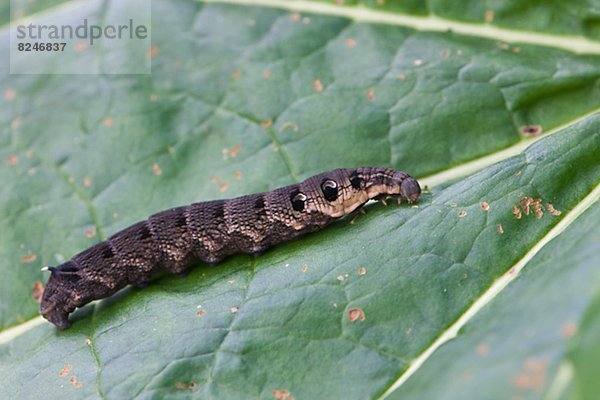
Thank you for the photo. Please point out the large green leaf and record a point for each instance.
(244, 99)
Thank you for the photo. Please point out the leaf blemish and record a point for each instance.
(10, 94)
(485, 206)
(371, 94)
(531, 130)
(356, 314)
(483, 349)
(12, 160)
(234, 151)
(156, 169)
(350, 42)
(182, 385)
(282, 394)
(516, 212)
(66, 370)
(289, 124)
(28, 258)
(317, 85)
(37, 291)
(568, 330)
(534, 374)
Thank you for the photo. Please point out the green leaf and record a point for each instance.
(461, 298)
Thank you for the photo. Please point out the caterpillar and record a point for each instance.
(210, 231)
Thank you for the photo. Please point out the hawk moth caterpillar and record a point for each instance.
(210, 231)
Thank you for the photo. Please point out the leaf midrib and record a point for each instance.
(575, 44)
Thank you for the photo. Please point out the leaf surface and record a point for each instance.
(245, 99)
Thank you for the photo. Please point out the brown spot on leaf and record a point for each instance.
(266, 74)
(231, 281)
(516, 212)
(153, 98)
(66, 370)
(518, 172)
(350, 42)
(533, 376)
(485, 206)
(295, 16)
(200, 313)
(188, 386)
(10, 94)
(88, 342)
(483, 349)
(362, 271)
(87, 182)
(537, 207)
(73, 380)
(233, 310)
(489, 15)
(214, 179)
(237, 175)
(90, 233)
(223, 187)
(282, 394)
(152, 52)
(531, 130)
(552, 210)
(317, 85)
(462, 214)
(500, 229)
(267, 123)
(234, 151)
(156, 169)
(236, 74)
(402, 76)
(371, 94)
(305, 268)
(356, 314)
(37, 291)
(107, 122)
(81, 47)
(28, 258)
(568, 330)
(408, 330)
(12, 160)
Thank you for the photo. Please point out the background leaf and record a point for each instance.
(244, 99)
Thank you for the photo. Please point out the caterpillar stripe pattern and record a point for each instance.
(209, 231)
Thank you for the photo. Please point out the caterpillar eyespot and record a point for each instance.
(298, 200)
(210, 231)
(330, 189)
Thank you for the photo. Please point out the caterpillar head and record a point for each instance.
(339, 192)
(57, 300)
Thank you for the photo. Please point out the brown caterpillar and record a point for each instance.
(212, 230)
